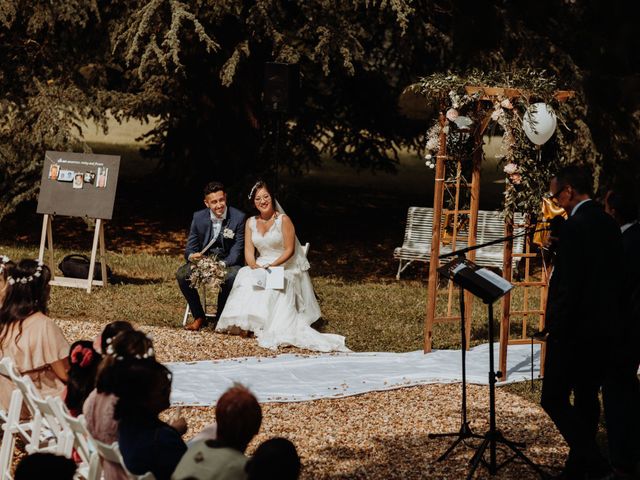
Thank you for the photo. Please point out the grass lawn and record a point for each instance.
(374, 315)
(352, 221)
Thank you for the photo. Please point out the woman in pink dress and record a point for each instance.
(27, 335)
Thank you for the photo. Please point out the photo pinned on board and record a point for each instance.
(101, 177)
(54, 169)
(66, 175)
(90, 177)
(78, 180)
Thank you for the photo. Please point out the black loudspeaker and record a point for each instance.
(281, 87)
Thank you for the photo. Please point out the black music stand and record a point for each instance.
(489, 287)
(465, 430)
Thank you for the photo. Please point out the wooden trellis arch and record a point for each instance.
(459, 184)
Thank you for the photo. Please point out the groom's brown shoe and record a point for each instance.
(196, 325)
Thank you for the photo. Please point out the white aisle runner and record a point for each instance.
(296, 378)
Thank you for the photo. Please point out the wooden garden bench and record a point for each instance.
(418, 233)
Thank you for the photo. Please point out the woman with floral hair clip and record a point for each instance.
(84, 361)
(27, 335)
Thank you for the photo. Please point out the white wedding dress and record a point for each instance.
(277, 317)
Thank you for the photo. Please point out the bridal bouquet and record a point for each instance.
(208, 271)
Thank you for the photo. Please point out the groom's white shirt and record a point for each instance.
(217, 222)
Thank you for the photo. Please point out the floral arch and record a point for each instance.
(530, 115)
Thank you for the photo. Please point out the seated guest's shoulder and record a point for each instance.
(40, 323)
(206, 459)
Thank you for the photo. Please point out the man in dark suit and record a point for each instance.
(581, 319)
(621, 389)
(225, 226)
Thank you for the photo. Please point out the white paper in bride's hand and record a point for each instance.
(273, 278)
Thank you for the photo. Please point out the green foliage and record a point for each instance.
(198, 65)
(532, 166)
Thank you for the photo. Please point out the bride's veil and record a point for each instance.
(300, 259)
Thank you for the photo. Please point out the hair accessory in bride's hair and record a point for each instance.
(28, 278)
(254, 188)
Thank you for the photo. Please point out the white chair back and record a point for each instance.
(112, 454)
(89, 467)
(49, 416)
(25, 385)
(36, 435)
(10, 423)
(82, 441)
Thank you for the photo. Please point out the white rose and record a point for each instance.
(510, 168)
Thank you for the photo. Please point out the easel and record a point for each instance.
(46, 241)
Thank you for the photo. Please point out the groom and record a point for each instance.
(225, 226)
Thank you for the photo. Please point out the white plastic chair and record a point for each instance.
(48, 417)
(11, 425)
(112, 454)
(77, 437)
(35, 434)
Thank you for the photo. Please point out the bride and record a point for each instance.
(277, 317)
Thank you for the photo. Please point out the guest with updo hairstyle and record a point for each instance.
(28, 336)
(83, 368)
(147, 444)
(109, 332)
(120, 350)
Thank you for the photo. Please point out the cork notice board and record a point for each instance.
(78, 184)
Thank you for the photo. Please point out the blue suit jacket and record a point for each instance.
(201, 230)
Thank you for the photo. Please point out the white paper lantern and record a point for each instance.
(539, 123)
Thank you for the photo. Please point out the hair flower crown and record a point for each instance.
(28, 278)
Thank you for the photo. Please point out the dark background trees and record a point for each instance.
(198, 67)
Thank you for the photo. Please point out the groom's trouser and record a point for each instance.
(192, 295)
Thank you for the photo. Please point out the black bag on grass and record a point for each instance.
(77, 266)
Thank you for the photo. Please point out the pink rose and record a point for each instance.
(452, 114)
(516, 178)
